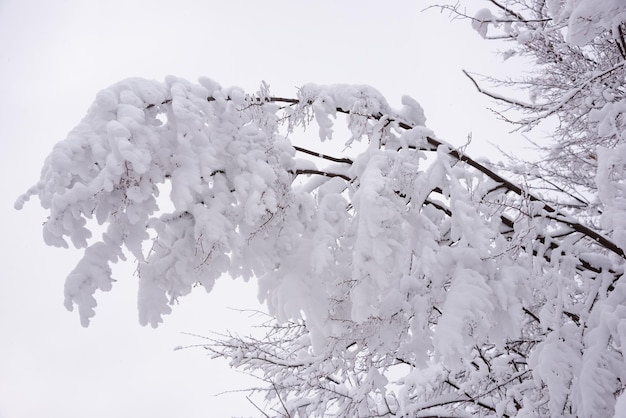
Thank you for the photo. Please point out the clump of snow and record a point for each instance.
(588, 18)
(481, 21)
(412, 112)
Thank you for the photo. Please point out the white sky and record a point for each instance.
(56, 55)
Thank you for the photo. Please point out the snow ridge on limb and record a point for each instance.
(404, 278)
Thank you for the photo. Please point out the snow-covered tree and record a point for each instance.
(576, 50)
(402, 277)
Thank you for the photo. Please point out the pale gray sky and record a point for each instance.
(56, 55)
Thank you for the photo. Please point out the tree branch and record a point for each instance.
(502, 98)
(323, 156)
(558, 217)
(323, 173)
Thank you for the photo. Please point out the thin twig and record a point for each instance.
(255, 405)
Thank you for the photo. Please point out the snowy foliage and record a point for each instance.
(402, 278)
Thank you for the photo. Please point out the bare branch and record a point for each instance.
(323, 173)
(323, 156)
(496, 96)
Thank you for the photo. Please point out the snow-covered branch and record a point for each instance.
(402, 277)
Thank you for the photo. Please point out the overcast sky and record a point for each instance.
(56, 55)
